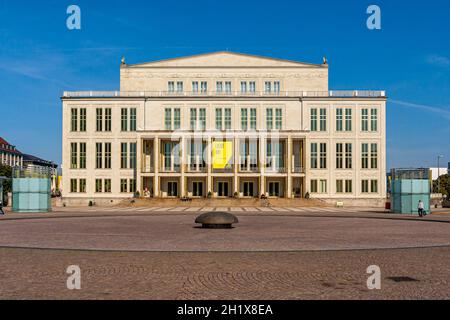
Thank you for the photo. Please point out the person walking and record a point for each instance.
(2, 213)
(421, 208)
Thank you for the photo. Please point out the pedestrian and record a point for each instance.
(421, 208)
(2, 213)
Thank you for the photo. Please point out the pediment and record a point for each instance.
(224, 59)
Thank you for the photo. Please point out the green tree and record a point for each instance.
(444, 185)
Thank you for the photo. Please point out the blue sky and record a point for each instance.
(409, 58)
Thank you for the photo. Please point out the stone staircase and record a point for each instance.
(163, 203)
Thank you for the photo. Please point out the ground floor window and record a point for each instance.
(197, 189)
(73, 185)
(123, 185)
(248, 189)
(82, 185)
(318, 186)
(274, 189)
(172, 189)
(98, 186)
(223, 189)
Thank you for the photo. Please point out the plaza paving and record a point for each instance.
(269, 255)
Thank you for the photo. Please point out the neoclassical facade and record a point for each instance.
(224, 125)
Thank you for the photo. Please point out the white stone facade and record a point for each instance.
(328, 144)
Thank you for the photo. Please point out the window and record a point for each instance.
(228, 87)
(132, 186)
(348, 186)
(108, 119)
(252, 86)
(279, 119)
(314, 156)
(228, 119)
(323, 186)
(171, 86)
(244, 119)
(197, 189)
(180, 87)
(348, 119)
(73, 156)
(374, 156)
(314, 186)
(83, 120)
(365, 120)
(365, 156)
(193, 119)
(365, 186)
(172, 189)
(339, 156)
(107, 185)
(269, 119)
(123, 185)
(82, 155)
(219, 119)
(195, 86)
(99, 113)
(339, 120)
(323, 119)
(267, 87)
(276, 86)
(73, 185)
(168, 119)
(339, 186)
(243, 86)
(133, 148)
(108, 155)
(203, 119)
(348, 156)
(74, 126)
(323, 156)
(204, 86)
(252, 119)
(82, 186)
(176, 119)
(219, 86)
(133, 116)
(374, 186)
(98, 185)
(374, 120)
(99, 157)
(123, 155)
(313, 120)
(124, 118)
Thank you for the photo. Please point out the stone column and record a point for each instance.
(236, 164)
(262, 164)
(209, 185)
(156, 166)
(289, 167)
(183, 166)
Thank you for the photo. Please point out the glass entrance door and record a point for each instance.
(197, 189)
(223, 189)
(248, 189)
(172, 189)
(274, 189)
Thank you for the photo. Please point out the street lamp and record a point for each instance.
(439, 172)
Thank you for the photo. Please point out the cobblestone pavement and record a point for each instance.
(255, 232)
(41, 274)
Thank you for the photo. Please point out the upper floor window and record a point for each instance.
(374, 120)
(343, 119)
(219, 86)
(244, 119)
(194, 86)
(133, 119)
(193, 122)
(83, 120)
(198, 119)
(171, 86)
(124, 119)
(204, 87)
(219, 119)
(269, 119)
(169, 123)
(365, 120)
(318, 124)
(267, 87)
(108, 119)
(74, 120)
(227, 119)
(180, 86)
(348, 119)
(99, 113)
(272, 87)
(279, 119)
(243, 86)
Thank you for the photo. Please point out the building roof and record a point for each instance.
(30, 159)
(225, 59)
(5, 146)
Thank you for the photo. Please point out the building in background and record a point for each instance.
(438, 172)
(223, 125)
(9, 155)
(35, 164)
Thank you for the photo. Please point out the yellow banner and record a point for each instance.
(222, 153)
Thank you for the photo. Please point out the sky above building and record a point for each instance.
(409, 57)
